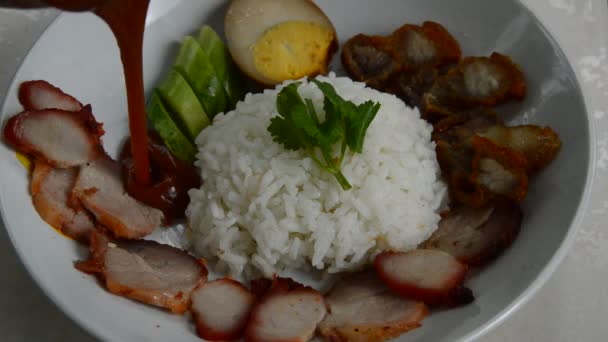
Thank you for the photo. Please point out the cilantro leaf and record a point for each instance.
(334, 126)
(333, 104)
(283, 128)
(358, 123)
(288, 97)
(356, 118)
(312, 111)
(335, 107)
(285, 133)
(298, 126)
(301, 118)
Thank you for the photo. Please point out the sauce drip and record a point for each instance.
(151, 173)
(171, 179)
(126, 19)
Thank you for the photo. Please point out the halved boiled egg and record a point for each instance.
(276, 40)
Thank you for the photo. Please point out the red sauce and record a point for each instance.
(171, 179)
(126, 19)
(151, 173)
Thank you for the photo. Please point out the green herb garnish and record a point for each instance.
(298, 126)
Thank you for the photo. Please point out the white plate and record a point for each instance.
(78, 54)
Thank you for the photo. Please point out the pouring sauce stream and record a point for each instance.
(126, 19)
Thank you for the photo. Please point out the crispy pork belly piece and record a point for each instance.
(539, 145)
(476, 175)
(368, 59)
(145, 271)
(477, 168)
(39, 95)
(50, 188)
(412, 47)
(429, 275)
(221, 309)
(406, 63)
(463, 189)
(499, 169)
(476, 236)
(361, 308)
(411, 86)
(432, 109)
(427, 45)
(60, 138)
(477, 81)
(287, 311)
(100, 189)
(456, 163)
(444, 118)
(423, 53)
(459, 129)
(453, 137)
(481, 157)
(490, 81)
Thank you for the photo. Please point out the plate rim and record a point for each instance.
(490, 324)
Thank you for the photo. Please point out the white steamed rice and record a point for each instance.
(263, 209)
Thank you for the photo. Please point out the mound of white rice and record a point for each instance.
(264, 209)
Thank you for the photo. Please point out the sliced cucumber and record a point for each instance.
(188, 113)
(164, 125)
(194, 65)
(231, 78)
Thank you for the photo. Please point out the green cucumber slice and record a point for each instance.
(172, 136)
(231, 78)
(194, 65)
(188, 113)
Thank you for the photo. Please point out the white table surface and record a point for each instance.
(572, 306)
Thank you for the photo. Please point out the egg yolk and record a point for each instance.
(24, 160)
(292, 49)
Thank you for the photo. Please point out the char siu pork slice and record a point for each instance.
(429, 275)
(145, 271)
(221, 309)
(60, 138)
(51, 189)
(100, 189)
(362, 308)
(287, 311)
(39, 95)
(476, 236)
